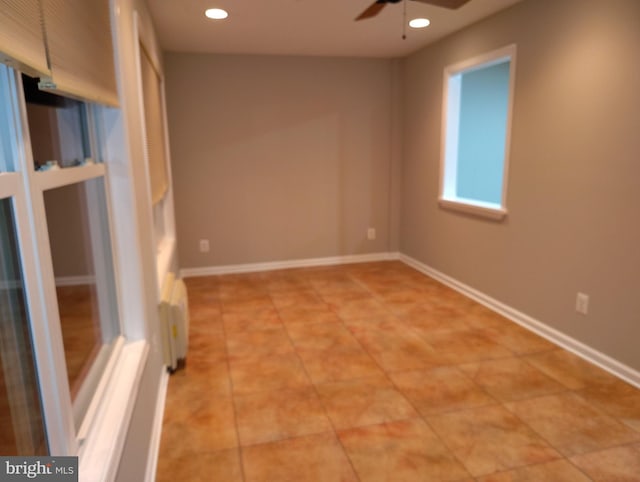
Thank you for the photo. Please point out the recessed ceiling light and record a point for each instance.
(216, 13)
(419, 23)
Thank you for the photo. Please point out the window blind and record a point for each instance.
(21, 39)
(154, 126)
(78, 38)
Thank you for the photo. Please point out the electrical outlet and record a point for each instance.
(582, 303)
(371, 234)
(204, 245)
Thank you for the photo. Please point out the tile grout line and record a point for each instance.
(233, 395)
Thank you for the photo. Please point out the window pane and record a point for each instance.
(57, 126)
(484, 102)
(22, 429)
(82, 262)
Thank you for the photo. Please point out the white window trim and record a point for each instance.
(9, 184)
(471, 206)
(448, 145)
(111, 412)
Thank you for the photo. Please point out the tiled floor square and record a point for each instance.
(297, 314)
(368, 401)
(208, 348)
(313, 458)
(570, 370)
(319, 337)
(517, 339)
(491, 439)
(267, 373)
(211, 378)
(427, 322)
(509, 379)
(395, 349)
(400, 451)
(440, 390)
(275, 415)
(253, 303)
(305, 299)
(200, 424)
(616, 398)
(335, 365)
(620, 464)
(337, 283)
(258, 343)
(571, 425)
(283, 282)
(251, 320)
(223, 465)
(360, 309)
(556, 471)
(466, 346)
(205, 312)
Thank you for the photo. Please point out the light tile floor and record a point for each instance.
(375, 372)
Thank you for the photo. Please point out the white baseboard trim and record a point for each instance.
(586, 352)
(156, 434)
(297, 263)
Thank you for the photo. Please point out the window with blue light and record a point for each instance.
(477, 113)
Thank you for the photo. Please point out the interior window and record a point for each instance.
(478, 97)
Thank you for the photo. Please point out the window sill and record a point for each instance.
(100, 452)
(476, 208)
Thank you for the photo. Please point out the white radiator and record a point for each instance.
(174, 322)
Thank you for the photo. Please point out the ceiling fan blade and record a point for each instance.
(452, 4)
(372, 11)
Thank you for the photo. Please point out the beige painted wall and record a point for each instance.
(574, 182)
(280, 158)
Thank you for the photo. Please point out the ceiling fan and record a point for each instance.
(378, 5)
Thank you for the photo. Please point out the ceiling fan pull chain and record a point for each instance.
(404, 21)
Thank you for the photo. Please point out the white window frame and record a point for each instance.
(100, 439)
(448, 197)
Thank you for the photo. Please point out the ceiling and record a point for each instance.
(307, 27)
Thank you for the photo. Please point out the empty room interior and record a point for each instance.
(321, 241)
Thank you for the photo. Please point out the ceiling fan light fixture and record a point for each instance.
(419, 23)
(216, 13)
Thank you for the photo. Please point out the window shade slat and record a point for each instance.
(78, 36)
(21, 38)
(154, 127)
